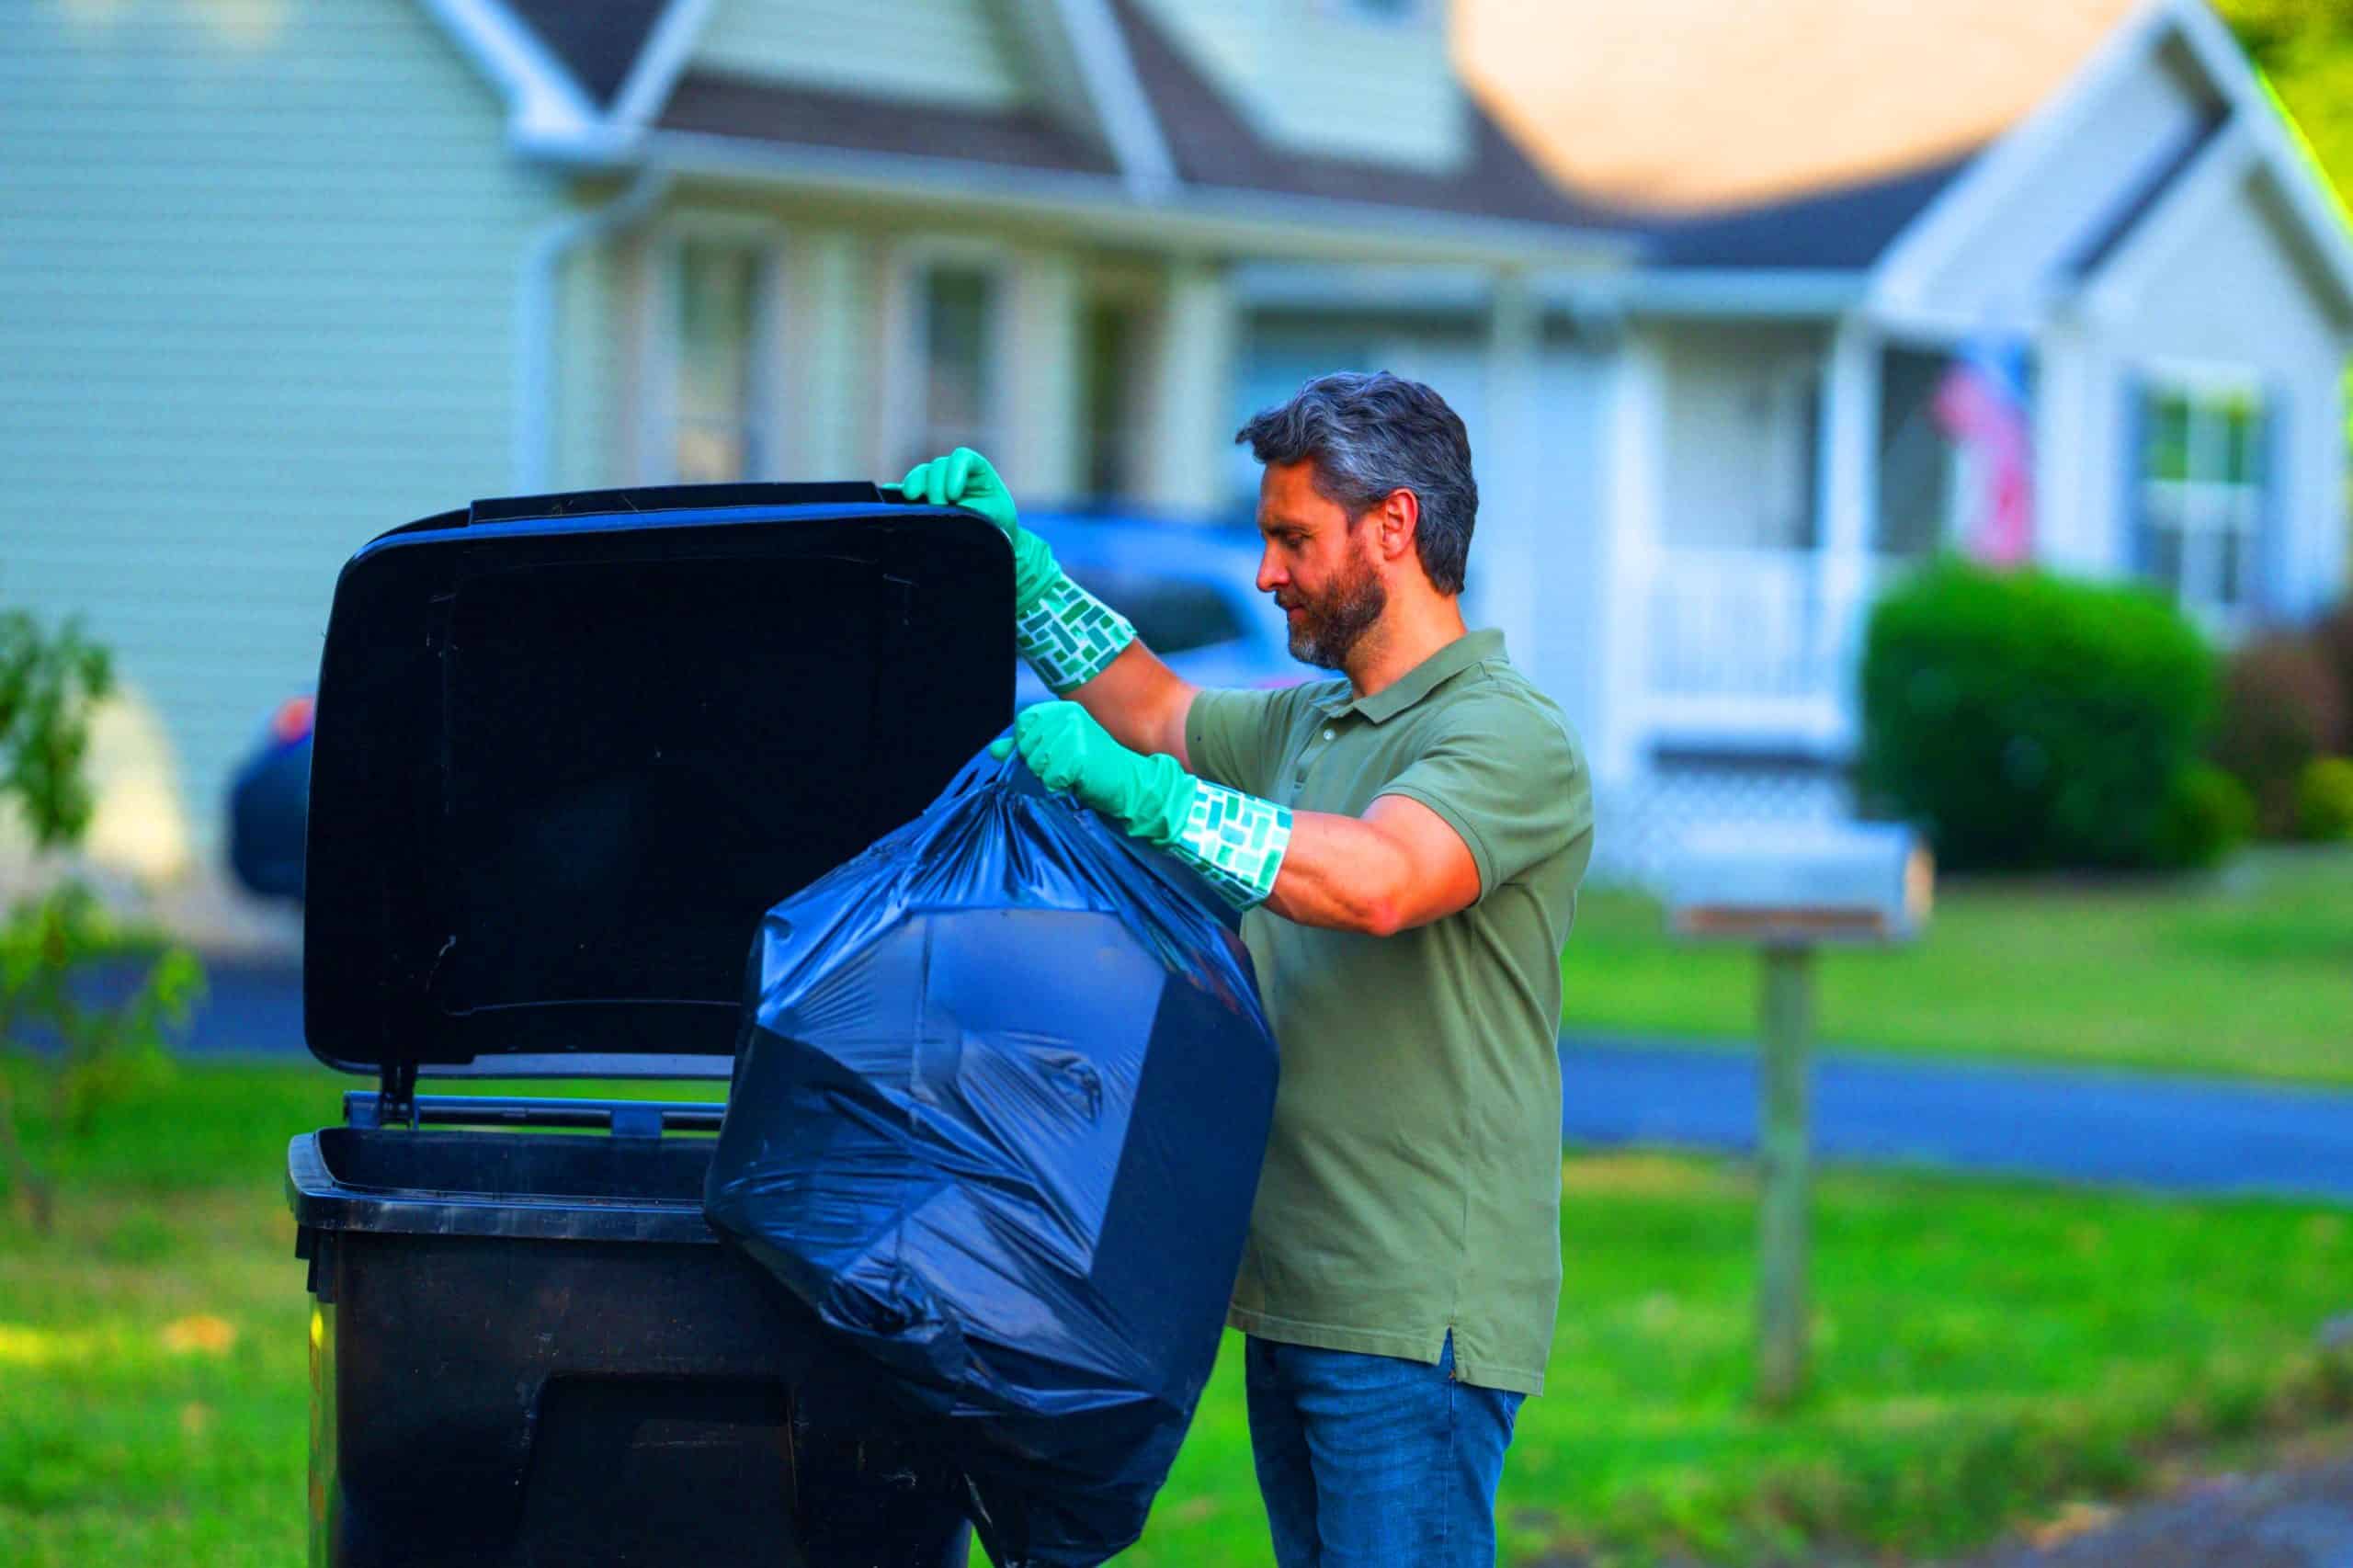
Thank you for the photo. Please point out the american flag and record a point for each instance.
(1981, 404)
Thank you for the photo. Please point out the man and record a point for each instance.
(1408, 840)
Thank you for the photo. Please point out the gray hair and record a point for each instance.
(1370, 434)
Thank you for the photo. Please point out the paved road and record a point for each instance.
(2179, 1135)
(2074, 1124)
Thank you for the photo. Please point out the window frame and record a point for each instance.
(2206, 507)
(661, 309)
(907, 424)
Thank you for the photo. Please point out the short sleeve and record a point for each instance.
(1507, 773)
(1235, 737)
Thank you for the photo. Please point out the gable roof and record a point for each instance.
(597, 44)
(1212, 145)
(1158, 131)
(1848, 228)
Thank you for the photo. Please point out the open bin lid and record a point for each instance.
(569, 749)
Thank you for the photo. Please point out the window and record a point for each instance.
(719, 323)
(2202, 478)
(954, 393)
(1107, 347)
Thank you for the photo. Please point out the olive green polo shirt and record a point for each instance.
(1412, 1184)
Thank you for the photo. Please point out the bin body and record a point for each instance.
(568, 749)
(528, 1349)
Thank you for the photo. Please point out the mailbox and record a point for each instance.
(1800, 884)
(1787, 891)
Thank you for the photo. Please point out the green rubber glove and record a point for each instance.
(964, 478)
(1235, 841)
(1068, 635)
(1068, 750)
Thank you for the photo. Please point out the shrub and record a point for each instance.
(2209, 814)
(2325, 799)
(2025, 720)
(2281, 708)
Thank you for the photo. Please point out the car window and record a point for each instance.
(1171, 614)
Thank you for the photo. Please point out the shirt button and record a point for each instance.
(1327, 734)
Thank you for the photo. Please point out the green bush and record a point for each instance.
(2026, 720)
(2209, 814)
(2282, 707)
(2325, 799)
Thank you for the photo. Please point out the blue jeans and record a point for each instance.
(1370, 1461)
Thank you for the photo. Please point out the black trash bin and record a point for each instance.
(568, 751)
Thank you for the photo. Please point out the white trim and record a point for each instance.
(1744, 293)
(1815, 726)
(1107, 74)
(2312, 200)
(1962, 210)
(1312, 286)
(542, 100)
(1635, 435)
(2218, 172)
(1193, 218)
(1849, 499)
(659, 60)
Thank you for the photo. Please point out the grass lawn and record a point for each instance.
(2248, 972)
(1985, 1352)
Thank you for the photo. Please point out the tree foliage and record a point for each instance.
(84, 998)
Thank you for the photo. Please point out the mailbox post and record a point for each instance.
(1785, 892)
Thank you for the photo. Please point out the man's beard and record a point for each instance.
(1330, 627)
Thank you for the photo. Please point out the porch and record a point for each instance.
(1799, 473)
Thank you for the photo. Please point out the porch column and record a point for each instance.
(1509, 568)
(1849, 489)
(825, 359)
(1186, 462)
(1633, 455)
(1043, 394)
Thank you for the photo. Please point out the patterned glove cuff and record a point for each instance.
(1235, 841)
(1069, 635)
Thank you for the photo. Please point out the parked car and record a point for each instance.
(1190, 589)
(269, 804)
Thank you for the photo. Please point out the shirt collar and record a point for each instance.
(1465, 651)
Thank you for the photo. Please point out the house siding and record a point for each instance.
(2235, 296)
(945, 51)
(1303, 72)
(257, 280)
(2022, 246)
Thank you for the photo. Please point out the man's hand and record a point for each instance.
(1068, 750)
(962, 478)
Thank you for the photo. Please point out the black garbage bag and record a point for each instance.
(1000, 1099)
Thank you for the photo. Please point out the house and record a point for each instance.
(280, 275)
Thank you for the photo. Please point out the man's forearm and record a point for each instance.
(1142, 701)
(1397, 867)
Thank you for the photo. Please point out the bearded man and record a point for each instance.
(1407, 840)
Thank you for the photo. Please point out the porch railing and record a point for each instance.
(1756, 645)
